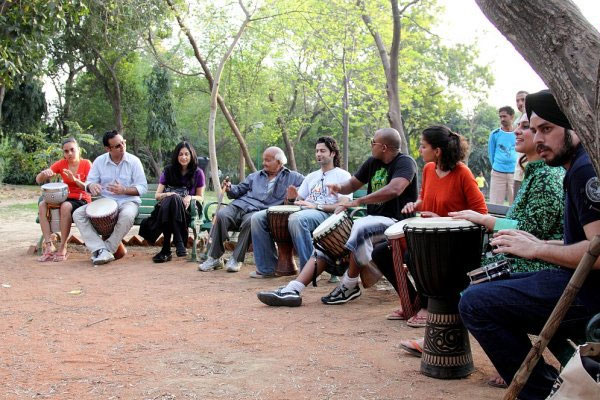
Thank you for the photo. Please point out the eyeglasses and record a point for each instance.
(373, 143)
(118, 146)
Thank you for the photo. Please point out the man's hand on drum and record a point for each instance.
(48, 173)
(345, 206)
(334, 188)
(116, 188)
(518, 243)
(305, 204)
(95, 189)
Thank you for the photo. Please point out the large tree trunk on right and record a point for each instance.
(2, 93)
(563, 47)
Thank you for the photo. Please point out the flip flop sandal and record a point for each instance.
(412, 347)
(47, 256)
(417, 322)
(396, 315)
(497, 382)
(60, 257)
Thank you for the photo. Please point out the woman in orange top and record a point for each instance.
(74, 172)
(447, 185)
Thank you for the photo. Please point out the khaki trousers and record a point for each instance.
(501, 187)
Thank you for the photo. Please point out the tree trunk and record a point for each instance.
(563, 47)
(346, 114)
(285, 134)
(230, 120)
(242, 167)
(2, 93)
(214, 169)
(66, 111)
(390, 65)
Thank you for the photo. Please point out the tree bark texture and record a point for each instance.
(289, 148)
(2, 93)
(208, 75)
(214, 94)
(390, 65)
(563, 47)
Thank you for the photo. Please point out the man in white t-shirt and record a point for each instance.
(317, 203)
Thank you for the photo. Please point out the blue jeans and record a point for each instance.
(300, 225)
(501, 313)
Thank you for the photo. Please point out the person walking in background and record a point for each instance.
(503, 157)
(481, 182)
(519, 169)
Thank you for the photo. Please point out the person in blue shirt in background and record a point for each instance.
(503, 157)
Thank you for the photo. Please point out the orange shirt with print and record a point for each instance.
(83, 170)
(454, 192)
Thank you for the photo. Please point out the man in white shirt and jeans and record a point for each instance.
(317, 202)
(120, 176)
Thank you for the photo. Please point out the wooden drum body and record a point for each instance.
(103, 214)
(443, 250)
(397, 242)
(330, 237)
(277, 217)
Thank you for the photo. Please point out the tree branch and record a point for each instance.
(162, 63)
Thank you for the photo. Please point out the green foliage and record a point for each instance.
(24, 107)
(162, 128)
(23, 157)
(26, 28)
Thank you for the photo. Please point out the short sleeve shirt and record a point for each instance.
(314, 186)
(197, 182)
(582, 197)
(376, 174)
(75, 192)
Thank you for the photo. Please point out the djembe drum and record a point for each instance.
(397, 241)
(443, 250)
(277, 217)
(103, 214)
(330, 237)
(54, 194)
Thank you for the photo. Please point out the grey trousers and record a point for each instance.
(231, 218)
(127, 213)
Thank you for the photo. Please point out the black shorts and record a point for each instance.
(76, 204)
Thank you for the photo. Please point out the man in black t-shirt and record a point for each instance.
(391, 183)
(500, 314)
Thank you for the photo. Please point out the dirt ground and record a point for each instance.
(133, 329)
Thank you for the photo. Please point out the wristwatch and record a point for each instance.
(320, 207)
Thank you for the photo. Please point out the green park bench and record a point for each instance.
(148, 203)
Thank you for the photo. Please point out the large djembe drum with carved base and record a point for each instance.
(443, 250)
(277, 217)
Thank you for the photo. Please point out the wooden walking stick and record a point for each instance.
(579, 276)
(212, 225)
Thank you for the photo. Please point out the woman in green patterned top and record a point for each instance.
(538, 207)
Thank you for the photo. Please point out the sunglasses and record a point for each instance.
(118, 146)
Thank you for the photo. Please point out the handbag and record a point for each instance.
(580, 379)
(182, 191)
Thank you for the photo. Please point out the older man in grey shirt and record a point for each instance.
(117, 175)
(260, 190)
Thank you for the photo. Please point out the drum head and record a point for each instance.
(54, 187)
(438, 222)
(101, 207)
(397, 230)
(284, 209)
(330, 222)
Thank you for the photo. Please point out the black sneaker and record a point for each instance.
(341, 295)
(278, 298)
(162, 257)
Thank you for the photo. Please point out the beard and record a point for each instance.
(565, 154)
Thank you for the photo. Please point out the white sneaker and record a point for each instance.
(211, 264)
(104, 257)
(233, 266)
